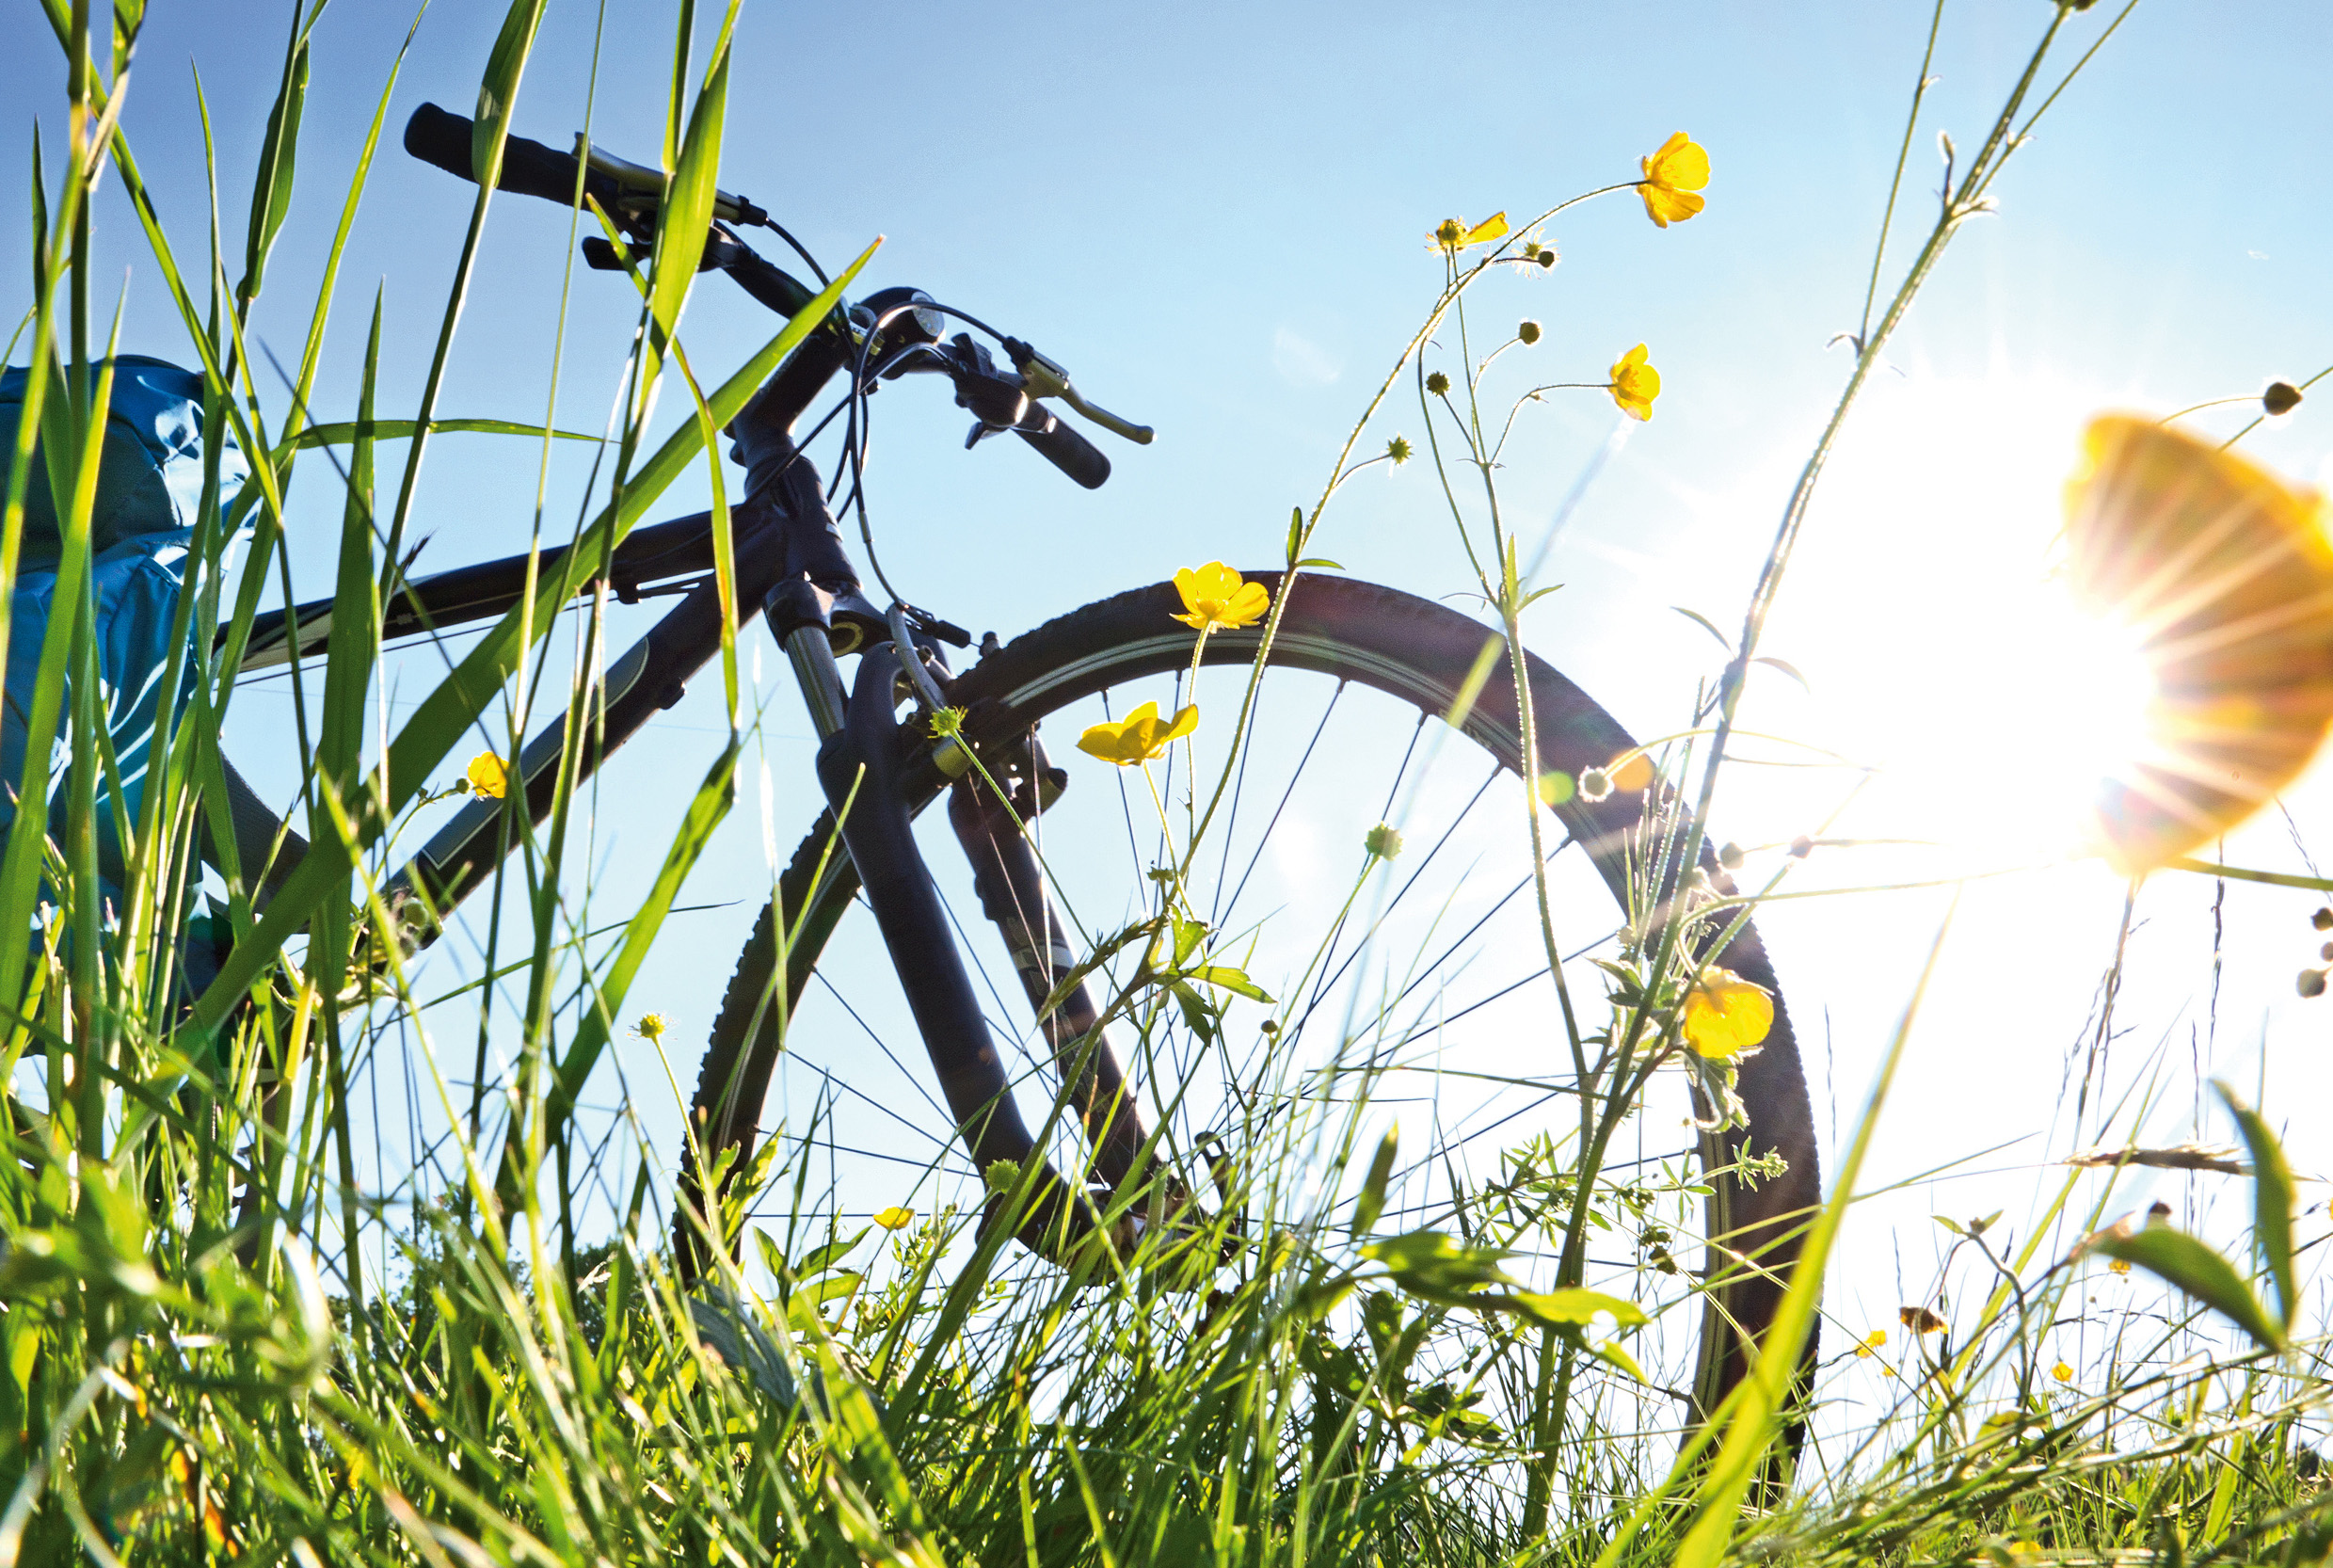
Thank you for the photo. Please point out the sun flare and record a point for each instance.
(2126, 680)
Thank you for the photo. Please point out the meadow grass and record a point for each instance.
(222, 1343)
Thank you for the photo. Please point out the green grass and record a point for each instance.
(219, 1344)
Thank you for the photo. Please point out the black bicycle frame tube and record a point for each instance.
(861, 767)
(649, 677)
(490, 589)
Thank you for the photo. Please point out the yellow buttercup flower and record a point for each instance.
(1453, 234)
(488, 775)
(1872, 1343)
(1139, 737)
(1634, 384)
(1217, 598)
(2221, 575)
(895, 1218)
(2062, 1372)
(1726, 1015)
(1671, 175)
(2118, 1265)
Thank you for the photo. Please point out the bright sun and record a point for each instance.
(1942, 650)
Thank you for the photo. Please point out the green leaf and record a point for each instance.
(2204, 1276)
(498, 89)
(2272, 1203)
(681, 225)
(1224, 977)
(352, 648)
(1951, 1225)
(401, 430)
(1705, 624)
(819, 1260)
(271, 194)
(1429, 1263)
(1578, 1306)
(1316, 1298)
(1196, 1011)
(1320, 561)
(1188, 935)
(1610, 1354)
(825, 1290)
(1371, 1203)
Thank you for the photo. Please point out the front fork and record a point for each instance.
(862, 766)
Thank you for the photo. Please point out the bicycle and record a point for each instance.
(973, 737)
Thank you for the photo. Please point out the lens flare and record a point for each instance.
(2220, 577)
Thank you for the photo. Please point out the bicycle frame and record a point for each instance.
(867, 765)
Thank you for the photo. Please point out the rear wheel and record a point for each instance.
(1422, 982)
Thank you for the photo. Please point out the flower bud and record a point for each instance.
(2281, 397)
(2322, 920)
(1594, 784)
(1383, 842)
(1802, 847)
(1731, 857)
(1437, 384)
(1527, 334)
(2325, 952)
(2311, 982)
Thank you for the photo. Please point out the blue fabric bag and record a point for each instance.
(149, 491)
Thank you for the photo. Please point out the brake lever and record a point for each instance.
(1043, 378)
(997, 399)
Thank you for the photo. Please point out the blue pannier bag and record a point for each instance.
(149, 491)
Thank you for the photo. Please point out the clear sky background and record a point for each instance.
(1216, 216)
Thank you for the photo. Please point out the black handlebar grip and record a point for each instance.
(1065, 448)
(529, 168)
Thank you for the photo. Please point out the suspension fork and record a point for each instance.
(862, 766)
(1013, 895)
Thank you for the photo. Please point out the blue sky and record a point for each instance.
(1216, 217)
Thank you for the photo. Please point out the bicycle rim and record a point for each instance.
(1420, 980)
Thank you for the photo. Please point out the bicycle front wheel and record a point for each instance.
(1419, 982)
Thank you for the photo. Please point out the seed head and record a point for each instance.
(1384, 842)
(1399, 450)
(1594, 784)
(2311, 982)
(1802, 847)
(1731, 857)
(1437, 384)
(1528, 333)
(2281, 397)
(2322, 920)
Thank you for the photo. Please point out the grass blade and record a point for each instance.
(2271, 1204)
(438, 724)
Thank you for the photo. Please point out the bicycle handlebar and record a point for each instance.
(529, 168)
(444, 140)
(438, 136)
(1066, 450)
